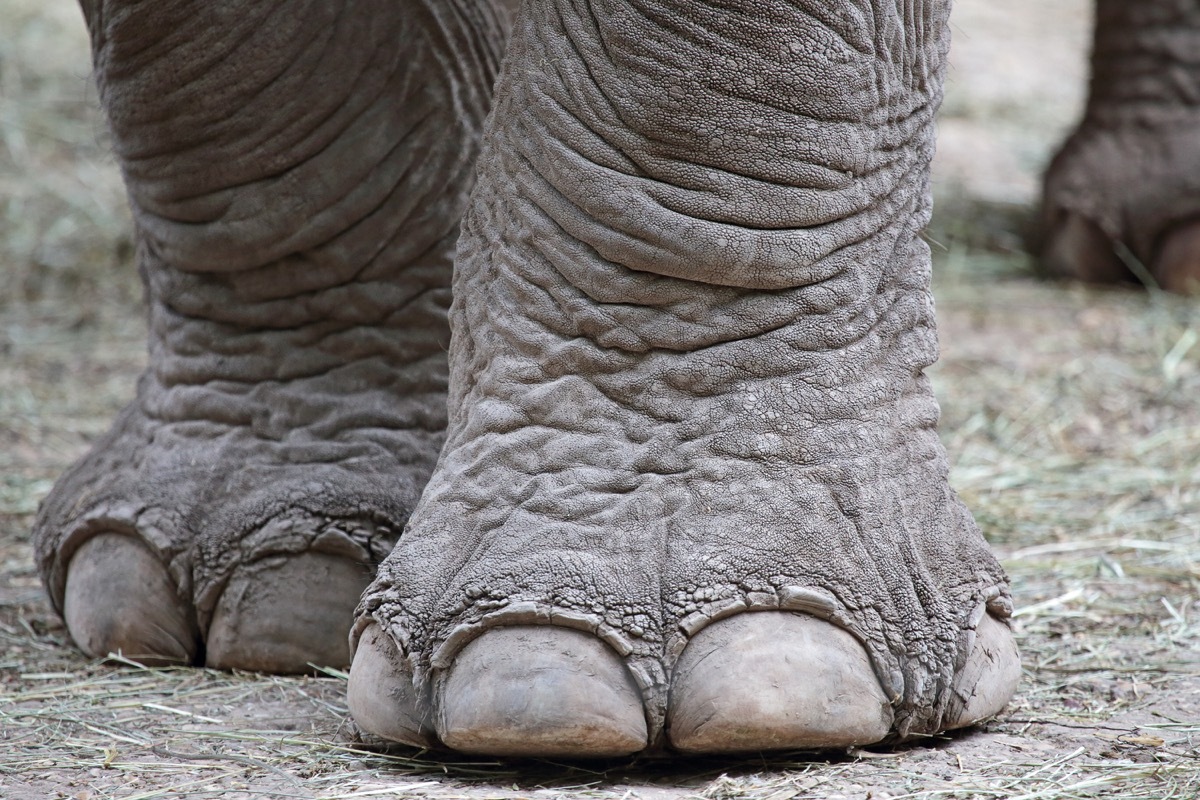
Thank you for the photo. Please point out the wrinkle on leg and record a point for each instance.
(296, 182)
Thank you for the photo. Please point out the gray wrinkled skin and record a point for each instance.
(297, 199)
(692, 314)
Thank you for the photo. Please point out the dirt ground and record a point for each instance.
(1071, 417)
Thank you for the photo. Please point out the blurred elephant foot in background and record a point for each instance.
(1121, 199)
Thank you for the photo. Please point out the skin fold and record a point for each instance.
(649, 442)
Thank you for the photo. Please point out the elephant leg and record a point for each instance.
(692, 493)
(297, 177)
(1122, 196)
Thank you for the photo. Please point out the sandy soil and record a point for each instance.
(1070, 416)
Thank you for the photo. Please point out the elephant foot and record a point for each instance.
(1120, 201)
(196, 532)
(692, 494)
(731, 544)
(297, 254)
(220, 554)
(735, 560)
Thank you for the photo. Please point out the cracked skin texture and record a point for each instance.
(691, 317)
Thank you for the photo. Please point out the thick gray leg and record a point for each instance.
(691, 321)
(297, 175)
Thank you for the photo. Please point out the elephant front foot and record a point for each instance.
(692, 495)
(236, 526)
(676, 552)
(296, 182)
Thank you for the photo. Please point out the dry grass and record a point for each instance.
(1071, 416)
(61, 201)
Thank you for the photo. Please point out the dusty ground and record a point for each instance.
(1071, 416)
